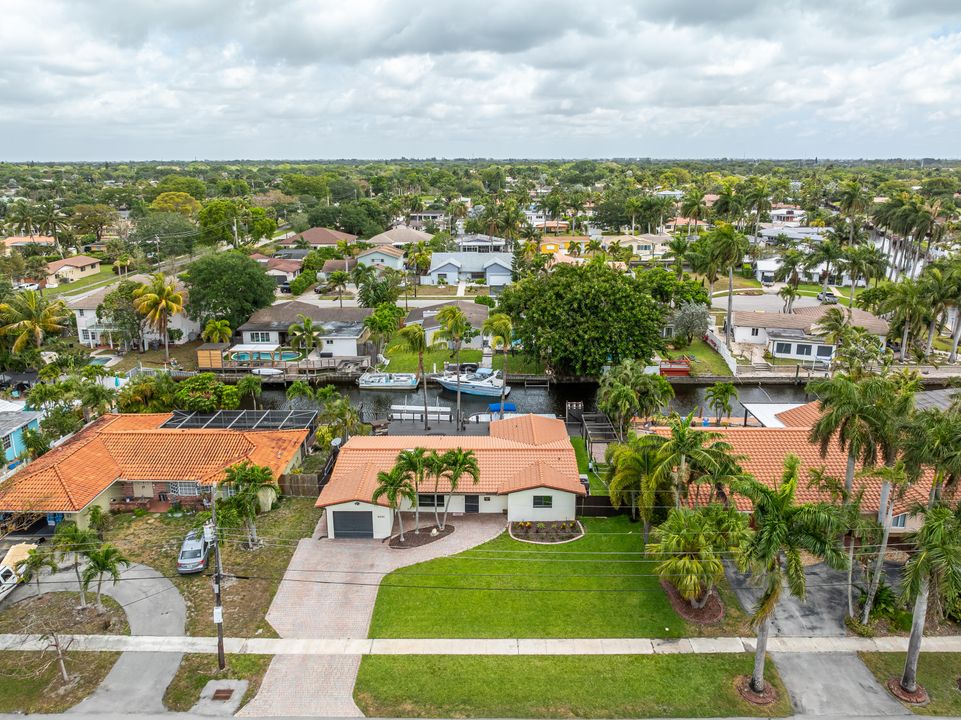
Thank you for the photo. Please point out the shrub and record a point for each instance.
(485, 300)
(302, 283)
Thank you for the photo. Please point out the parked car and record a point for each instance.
(9, 577)
(194, 553)
(828, 298)
(28, 286)
(284, 288)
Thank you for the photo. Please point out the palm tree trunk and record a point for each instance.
(730, 308)
(416, 505)
(457, 360)
(827, 276)
(932, 326)
(163, 329)
(879, 563)
(443, 522)
(76, 569)
(436, 492)
(504, 386)
(851, 576)
(400, 521)
(854, 284)
(904, 337)
(99, 588)
(760, 653)
(423, 377)
(956, 336)
(909, 679)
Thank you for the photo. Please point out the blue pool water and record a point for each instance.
(99, 361)
(286, 355)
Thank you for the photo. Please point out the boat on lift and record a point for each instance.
(388, 381)
(484, 382)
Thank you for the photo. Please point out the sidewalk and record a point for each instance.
(480, 646)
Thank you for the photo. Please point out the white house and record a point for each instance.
(73, 268)
(427, 317)
(92, 332)
(528, 471)
(342, 335)
(282, 270)
(481, 243)
(788, 215)
(382, 256)
(796, 336)
(494, 269)
(766, 270)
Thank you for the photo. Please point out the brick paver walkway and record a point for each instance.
(324, 684)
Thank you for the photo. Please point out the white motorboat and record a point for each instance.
(267, 371)
(388, 381)
(484, 382)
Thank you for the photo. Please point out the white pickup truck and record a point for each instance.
(9, 577)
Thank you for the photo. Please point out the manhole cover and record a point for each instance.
(223, 694)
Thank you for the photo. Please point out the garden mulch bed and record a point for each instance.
(743, 685)
(918, 697)
(711, 614)
(549, 533)
(424, 537)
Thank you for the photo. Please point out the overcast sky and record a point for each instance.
(225, 79)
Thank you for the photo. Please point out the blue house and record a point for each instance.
(12, 425)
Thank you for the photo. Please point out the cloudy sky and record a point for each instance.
(225, 79)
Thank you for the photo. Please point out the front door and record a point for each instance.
(143, 489)
(471, 503)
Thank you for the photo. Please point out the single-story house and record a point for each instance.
(319, 236)
(481, 243)
(382, 256)
(93, 332)
(766, 270)
(646, 246)
(283, 271)
(12, 425)
(789, 215)
(19, 241)
(400, 236)
(797, 336)
(427, 317)
(528, 471)
(450, 268)
(799, 235)
(329, 266)
(551, 244)
(127, 458)
(342, 335)
(73, 268)
(424, 218)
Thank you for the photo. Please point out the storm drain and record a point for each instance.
(223, 694)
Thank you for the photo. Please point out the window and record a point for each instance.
(899, 521)
(755, 332)
(183, 488)
(329, 342)
(260, 337)
(80, 313)
(825, 351)
(85, 334)
(784, 348)
(543, 501)
(430, 500)
(6, 442)
(802, 349)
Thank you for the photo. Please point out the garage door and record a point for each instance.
(353, 524)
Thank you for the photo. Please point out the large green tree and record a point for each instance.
(228, 286)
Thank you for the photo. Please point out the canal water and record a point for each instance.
(538, 400)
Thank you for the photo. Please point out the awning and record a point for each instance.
(255, 347)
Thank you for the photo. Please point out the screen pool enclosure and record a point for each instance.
(243, 420)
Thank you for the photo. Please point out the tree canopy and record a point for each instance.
(228, 286)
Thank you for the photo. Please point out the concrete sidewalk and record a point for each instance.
(482, 646)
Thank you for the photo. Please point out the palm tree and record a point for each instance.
(247, 480)
(158, 302)
(500, 330)
(35, 267)
(95, 398)
(931, 441)
(618, 400)
(783, 529)
(455, 327)
(677, 249)
(69, 539)
(31, 318)
(934, 564)
(693, 206)
(788, 294)
(217, 331)
(653, 392)
(416, 464)
(413, 339)
(337, 281)
(828, 253)
(394, 485)
(304, 335)
(858, 261)
(457, 463)
(22, 218)
(633, 474)
(456, 210)
(854, 202)
(937, 288)
(31, 566)
(907, 305)
(250, 386)
(105, 560)
(719, 397)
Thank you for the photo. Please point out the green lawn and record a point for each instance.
(197, 670)
(403, 361)
(506, 588)
(706, 360)
(587, 686)
(185, 355)
(106, 273)
(940, 674)
(519, 364)
(580, 450)
(30, 681)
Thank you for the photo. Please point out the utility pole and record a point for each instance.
(236, 239)
(218, 576)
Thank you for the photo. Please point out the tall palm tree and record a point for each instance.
(416, 464)
(719, 397)
(31, 318)
(250, 386)
(677, 249)
(633, 475)
(693, 207)
(854, 202)
(247, 480)
(457, 463)
(456, 210)
(69, 539)
(907, 305)
(938, 287)
(394, 485)
(217, 331)
(413, 339)
(21, 218)
(857, 261)
(337, 281)
(304, 335)
(784, 529)
(788, 294)
(455, 328)
(159, 301)
(934, 564)
(828, 253)
(105, 560)
(931, 440)
(499, 328)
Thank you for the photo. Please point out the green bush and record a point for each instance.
(485, 300)
(302, 283)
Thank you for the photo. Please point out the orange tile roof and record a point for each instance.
(521, 453)
(803, 416)
(764, 450)
(134, 447)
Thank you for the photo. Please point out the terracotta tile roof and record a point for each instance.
(346, 265)
(72, 261)
(801, 417)
(764, 450)
(284, 265)
(133, 447)
(506, 461)
(320, 236)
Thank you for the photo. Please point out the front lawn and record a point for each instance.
(197, 669)
(706, 360)
(155, 540)
(104, 276)
(61, 611)
(506, 588)
(584, 686)
(519, 364)
(403, 361)
(939, 673)
(31, 683)
(185, 355)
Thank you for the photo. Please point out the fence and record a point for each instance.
(300, 484)
(599, 506)
(718, 343)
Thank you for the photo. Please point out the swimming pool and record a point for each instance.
(99, 360)
(285, 355)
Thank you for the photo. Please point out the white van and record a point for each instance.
(9, 577)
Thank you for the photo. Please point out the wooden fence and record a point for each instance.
(300, 484)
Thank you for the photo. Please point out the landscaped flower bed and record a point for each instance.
(546, 532)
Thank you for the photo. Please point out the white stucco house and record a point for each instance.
(427, 317)
(382, 256)
(766, 269)
(796, 336)
(343, 333)
(528, 471)
(450, 268)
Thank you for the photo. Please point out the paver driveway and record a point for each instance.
(329, 591)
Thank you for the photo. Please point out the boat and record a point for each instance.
(508, 407)
(485, 382)
(266, 371)
(388, 381)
